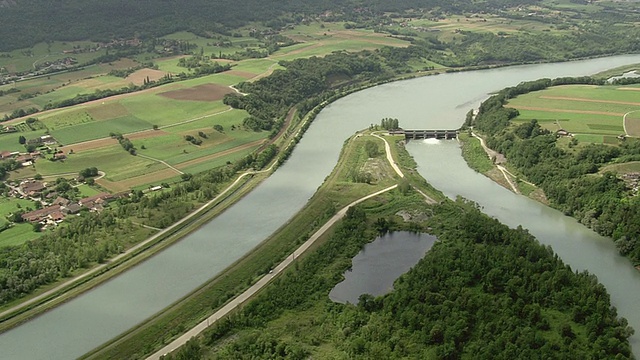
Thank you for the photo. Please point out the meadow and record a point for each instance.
(591, 113)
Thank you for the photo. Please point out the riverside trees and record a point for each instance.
(483, 291)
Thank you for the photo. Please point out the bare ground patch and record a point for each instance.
(205, 92)
(146, 134)
(141, 75)
(89, 145)
(632, 124)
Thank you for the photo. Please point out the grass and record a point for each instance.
(474, 154)
(592, 113)
(113, 160)
(99, 129)
(18, 234)
(625, 168)
(331, 196)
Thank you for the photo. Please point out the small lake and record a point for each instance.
(380, 263)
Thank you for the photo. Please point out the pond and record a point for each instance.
(380, 263)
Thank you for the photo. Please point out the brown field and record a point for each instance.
(244, 74)
(89, 145)
(590, 100)
(110, 110)
(632, 124)
(629, 88)
(205, 92)
(139, 76)
(535, 108)
(146, 134)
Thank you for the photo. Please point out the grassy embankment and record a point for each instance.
(337, 191)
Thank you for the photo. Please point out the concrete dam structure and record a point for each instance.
(426, 134)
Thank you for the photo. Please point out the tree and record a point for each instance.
(372, 148)
(22, 140)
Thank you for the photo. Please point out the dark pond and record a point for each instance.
(380, 263)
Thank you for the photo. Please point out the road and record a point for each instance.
(143, 244)
(239, 300)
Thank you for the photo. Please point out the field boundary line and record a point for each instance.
(161, 162)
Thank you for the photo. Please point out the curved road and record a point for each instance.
(239, 300)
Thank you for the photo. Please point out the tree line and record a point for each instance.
(484, 291)
(568, 178)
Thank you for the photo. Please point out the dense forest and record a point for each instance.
(104, 20)
(568, 178)
(593, 33)
(484, 291)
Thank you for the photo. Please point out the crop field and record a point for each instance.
(591, 113)
(317, 41)
(56, 87)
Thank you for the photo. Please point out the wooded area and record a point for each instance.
(484, 291)
(568, 178)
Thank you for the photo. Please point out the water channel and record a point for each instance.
(429, 102)
(380, 263)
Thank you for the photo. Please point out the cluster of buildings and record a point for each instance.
(60, 208)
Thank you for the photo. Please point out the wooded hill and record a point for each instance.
(484, 291)
(609, 30)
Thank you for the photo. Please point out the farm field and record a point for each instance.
(18, 234)
(56, 87)
(318, 41)
(591, 113)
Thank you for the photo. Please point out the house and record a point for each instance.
(72, 208)
(24, 158)
(60, 201)
(60, 155)
(95, 202)
(41, 214)
(32, 187)
(5, 155)
(56, 216)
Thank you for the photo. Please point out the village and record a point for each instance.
(53, 201)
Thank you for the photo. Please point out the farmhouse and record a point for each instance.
(41, 214)
(32, 187)
(96, 202)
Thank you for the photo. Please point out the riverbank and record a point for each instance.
(337, 191)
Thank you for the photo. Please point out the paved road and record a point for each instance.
(233, 304)
(128, 252)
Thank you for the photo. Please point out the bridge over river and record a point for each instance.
(426, 134)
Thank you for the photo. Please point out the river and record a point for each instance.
(97, 316)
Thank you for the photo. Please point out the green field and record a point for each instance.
(591, 113)
(18, 234)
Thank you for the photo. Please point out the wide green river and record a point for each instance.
(442, 101)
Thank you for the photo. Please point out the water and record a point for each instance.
(380, 263)
(441, 101)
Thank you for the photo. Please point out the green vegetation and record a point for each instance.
(337, 192)
(484, 291)
(474, 154)
(568, 174)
